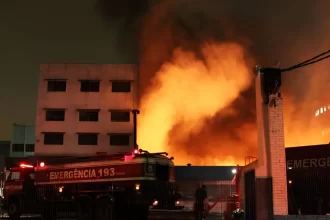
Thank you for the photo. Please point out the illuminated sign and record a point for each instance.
(83, 174)
(95, 173)
(308, 163)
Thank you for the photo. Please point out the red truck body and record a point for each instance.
(100, 187)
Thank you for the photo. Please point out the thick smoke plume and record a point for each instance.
(194, 107)
(190, 51)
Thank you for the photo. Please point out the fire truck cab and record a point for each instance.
(18, 185)
(121, 186)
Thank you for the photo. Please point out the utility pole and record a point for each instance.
(135, 112)
(271, 180)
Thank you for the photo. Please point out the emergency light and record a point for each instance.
(25, 166)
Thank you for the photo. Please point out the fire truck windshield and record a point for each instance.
(14, 175)
(20, 174)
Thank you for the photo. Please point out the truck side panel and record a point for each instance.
(96, 174)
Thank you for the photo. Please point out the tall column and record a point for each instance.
(271, 181)
(278, 158)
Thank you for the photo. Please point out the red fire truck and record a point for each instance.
(120, 186)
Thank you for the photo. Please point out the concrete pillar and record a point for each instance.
(271, 181)
(278, 158)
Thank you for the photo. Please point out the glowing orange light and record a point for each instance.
(42, 164)
(187, 93)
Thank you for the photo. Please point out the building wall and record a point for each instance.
(73, 99)
(22, 141)
(243, 171)
(278, 158)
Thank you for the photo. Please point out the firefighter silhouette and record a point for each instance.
(200, 197)
(29, 193)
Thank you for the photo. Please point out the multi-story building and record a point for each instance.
(22, 141)
(85, 109)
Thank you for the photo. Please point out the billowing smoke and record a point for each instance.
(195, 106)
(196, 83)
(306, 89)
(187, 93)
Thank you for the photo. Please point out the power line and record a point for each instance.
(310, 59)
(308, 62)
(323, 58)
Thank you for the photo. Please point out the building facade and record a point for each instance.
(22, 141)
(85, 109)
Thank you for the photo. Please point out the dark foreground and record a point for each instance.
(154, 215)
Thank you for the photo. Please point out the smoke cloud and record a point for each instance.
(195, 106)
(196, 83)
(186, 95)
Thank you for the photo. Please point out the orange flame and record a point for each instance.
(186, 92)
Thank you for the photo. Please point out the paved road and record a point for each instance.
(176, 215)
(154, 215)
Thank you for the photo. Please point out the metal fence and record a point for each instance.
(309, 191)
(218, 194)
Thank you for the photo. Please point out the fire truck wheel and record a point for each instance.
(104, 209)
(14, 210)
(84, 209)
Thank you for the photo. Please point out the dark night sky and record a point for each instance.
(39, 31)
(74, 31)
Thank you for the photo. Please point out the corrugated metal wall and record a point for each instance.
(308, 173)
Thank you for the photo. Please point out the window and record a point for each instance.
(53, 138)
(89, 86)
(121, 86)
(56, 86)
(119, 139)
(120, 116)
(88, 115)
(55, 115)
(317, 113)
(18, 147)
(14, 176)
(29, 148)
(87, 138)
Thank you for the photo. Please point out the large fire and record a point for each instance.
(186, 92)
(199, 105)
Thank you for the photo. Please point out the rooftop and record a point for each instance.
(211, 173)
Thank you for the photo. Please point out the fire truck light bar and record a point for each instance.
(25, 166)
